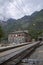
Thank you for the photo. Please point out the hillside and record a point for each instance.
(34, 21)
(37, 20)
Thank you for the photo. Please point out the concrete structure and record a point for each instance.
(11, 53)
(19, 37)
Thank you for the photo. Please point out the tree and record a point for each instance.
(1, 33)
(35, 33)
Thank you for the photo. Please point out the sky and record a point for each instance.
(18, 8)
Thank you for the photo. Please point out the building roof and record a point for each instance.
(21, 31)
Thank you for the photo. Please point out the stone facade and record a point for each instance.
(18, 37)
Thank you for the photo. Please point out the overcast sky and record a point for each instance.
(18, 8)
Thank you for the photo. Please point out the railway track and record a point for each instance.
(2, 49)
(18, 55)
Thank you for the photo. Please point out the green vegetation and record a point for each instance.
(35, 33)
(33, 23)
(36, 26)
(1, 33)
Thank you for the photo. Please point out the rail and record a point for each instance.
(13, 46)
(19, 54)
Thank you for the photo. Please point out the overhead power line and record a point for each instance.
(17, 8)
(20, 7)
(23, 4)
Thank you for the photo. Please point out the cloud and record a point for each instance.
(18, 8)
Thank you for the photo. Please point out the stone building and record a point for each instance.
(19, 37)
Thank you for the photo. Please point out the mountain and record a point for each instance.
(37, 19)
(34, 21)
(12, 24)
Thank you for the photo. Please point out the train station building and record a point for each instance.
(19, 37)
